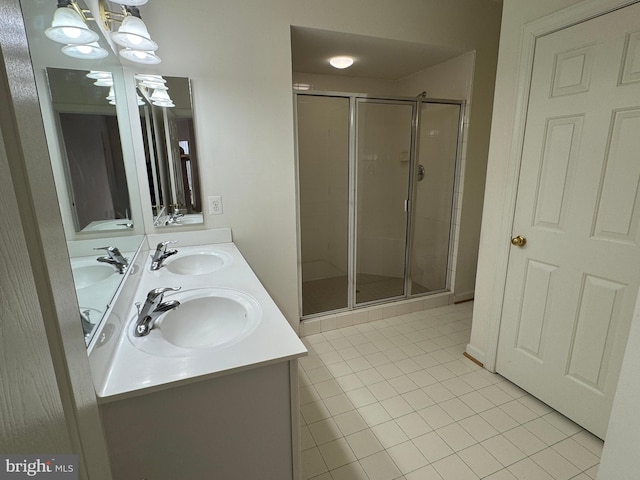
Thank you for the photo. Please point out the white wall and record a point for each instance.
(243, 104)
(341, 83)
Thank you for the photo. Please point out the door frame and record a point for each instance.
(568, 17)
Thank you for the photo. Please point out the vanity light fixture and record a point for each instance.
(341, 62)
(160, 95)
(133, 34)
(111, 97)
(69, 26)
(102, 79)
(140, 56)
(160, 98)
(151, 81)
(91, 51)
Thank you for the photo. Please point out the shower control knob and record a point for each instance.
(519, 241)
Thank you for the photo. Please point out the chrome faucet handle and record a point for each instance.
(111, 251)
(161, 253)
(163, 245)
(158, 293)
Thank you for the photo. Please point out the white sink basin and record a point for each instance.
(199, 263)
(88, 275)
(190, 218)
(206, 318)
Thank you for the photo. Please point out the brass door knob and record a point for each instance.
(519, 241)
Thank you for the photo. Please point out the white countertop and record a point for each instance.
(131, 372)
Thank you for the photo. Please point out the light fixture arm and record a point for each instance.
(106, 16)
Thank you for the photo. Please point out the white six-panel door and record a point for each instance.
(572, 287)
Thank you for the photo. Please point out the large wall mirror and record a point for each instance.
(84, 109)
(166, 119)
(93, 139)
(91, 153)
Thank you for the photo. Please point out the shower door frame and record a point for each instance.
(352, 185)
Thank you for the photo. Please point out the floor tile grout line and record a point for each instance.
(381, 335)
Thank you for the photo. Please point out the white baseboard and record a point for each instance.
(463, 297)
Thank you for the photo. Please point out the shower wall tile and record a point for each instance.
(329, 322)
(359, 318)
(344, 319)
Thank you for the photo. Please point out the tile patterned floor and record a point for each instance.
(395, 399)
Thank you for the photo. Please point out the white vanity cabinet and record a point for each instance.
(240, 426)
(221, 411)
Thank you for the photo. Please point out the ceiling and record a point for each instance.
(374, 57)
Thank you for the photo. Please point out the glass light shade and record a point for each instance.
(143, 77)
(139, 56)
(68, 27)
(92, 51)
(104, 82)
(99, 75)
(133, 34)
(132, 3)
(154, 85)
(341, 62)
(161, 98)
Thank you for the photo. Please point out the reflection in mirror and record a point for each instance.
(97, 274)
(85, 115)
(84, 137)
(166, 117)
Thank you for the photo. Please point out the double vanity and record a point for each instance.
(195, 367)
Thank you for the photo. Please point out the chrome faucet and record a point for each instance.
(114, 257)
(162, 253)
(85, 320)
(153, 307)
(173, 218)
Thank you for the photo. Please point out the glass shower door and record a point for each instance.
(383, 157)
(323, 176)
(434, 197)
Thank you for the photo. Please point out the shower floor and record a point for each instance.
(331, 293)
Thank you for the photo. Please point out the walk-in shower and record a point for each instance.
(376, 182)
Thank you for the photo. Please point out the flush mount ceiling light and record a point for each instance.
(69, 26)
(302, 86)
(341, 62)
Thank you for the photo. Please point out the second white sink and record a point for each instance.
(87, 275)
(206, 318)
(199, 263)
